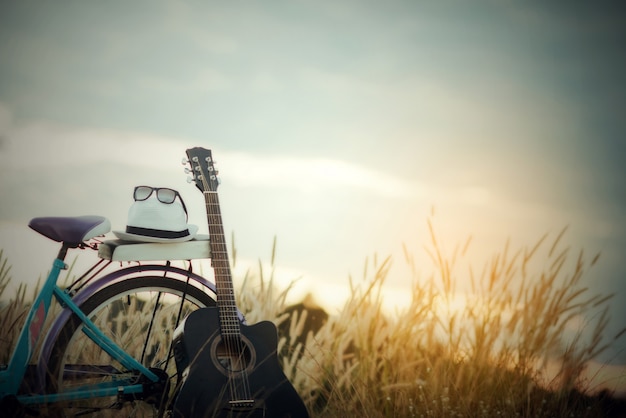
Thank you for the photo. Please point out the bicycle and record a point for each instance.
(109, 348)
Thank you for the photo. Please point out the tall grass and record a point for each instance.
(517, 345)
(12, 312)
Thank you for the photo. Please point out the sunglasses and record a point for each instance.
(163, 194)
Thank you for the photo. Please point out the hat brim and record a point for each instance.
(125, 236)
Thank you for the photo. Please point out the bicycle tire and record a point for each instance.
(123, 311)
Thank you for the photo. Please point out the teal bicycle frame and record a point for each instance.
(12, 376)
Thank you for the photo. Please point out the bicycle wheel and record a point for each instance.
(139, 314)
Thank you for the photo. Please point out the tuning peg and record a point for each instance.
(189, 179)
(187, 170)
(184, 161)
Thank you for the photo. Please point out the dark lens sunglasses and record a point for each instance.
(163, 194)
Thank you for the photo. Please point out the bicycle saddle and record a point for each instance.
(72, 230)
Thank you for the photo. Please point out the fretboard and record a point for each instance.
(229, 320)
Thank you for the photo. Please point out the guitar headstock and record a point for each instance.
(202, 170)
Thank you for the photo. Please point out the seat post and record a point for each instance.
(63, 251)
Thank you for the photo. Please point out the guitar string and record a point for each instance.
(225, 321)
(229, 325)
(231, 322)
(214, 237)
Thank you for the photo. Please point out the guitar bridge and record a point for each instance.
(246, 407)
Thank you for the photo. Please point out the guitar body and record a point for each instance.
(243, 380)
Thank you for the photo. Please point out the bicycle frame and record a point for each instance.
(12, 376)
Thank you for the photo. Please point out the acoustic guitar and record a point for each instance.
(227, 369)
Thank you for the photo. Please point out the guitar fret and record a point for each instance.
(229, 320)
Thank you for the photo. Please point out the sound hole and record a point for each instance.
(232, 356)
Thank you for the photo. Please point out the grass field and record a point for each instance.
(517, 347)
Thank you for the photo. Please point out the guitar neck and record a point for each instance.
(226, 304)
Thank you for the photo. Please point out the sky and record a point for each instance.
(337, 127)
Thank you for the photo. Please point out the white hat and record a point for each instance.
(150, 220)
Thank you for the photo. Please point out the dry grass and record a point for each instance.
(489, 357)
(486, 358)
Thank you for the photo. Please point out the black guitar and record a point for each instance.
(228, 369)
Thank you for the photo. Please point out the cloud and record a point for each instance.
(45, 145)
(118, 160)
(314, 175)
(49, 146)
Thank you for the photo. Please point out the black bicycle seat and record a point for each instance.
(72, 230)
